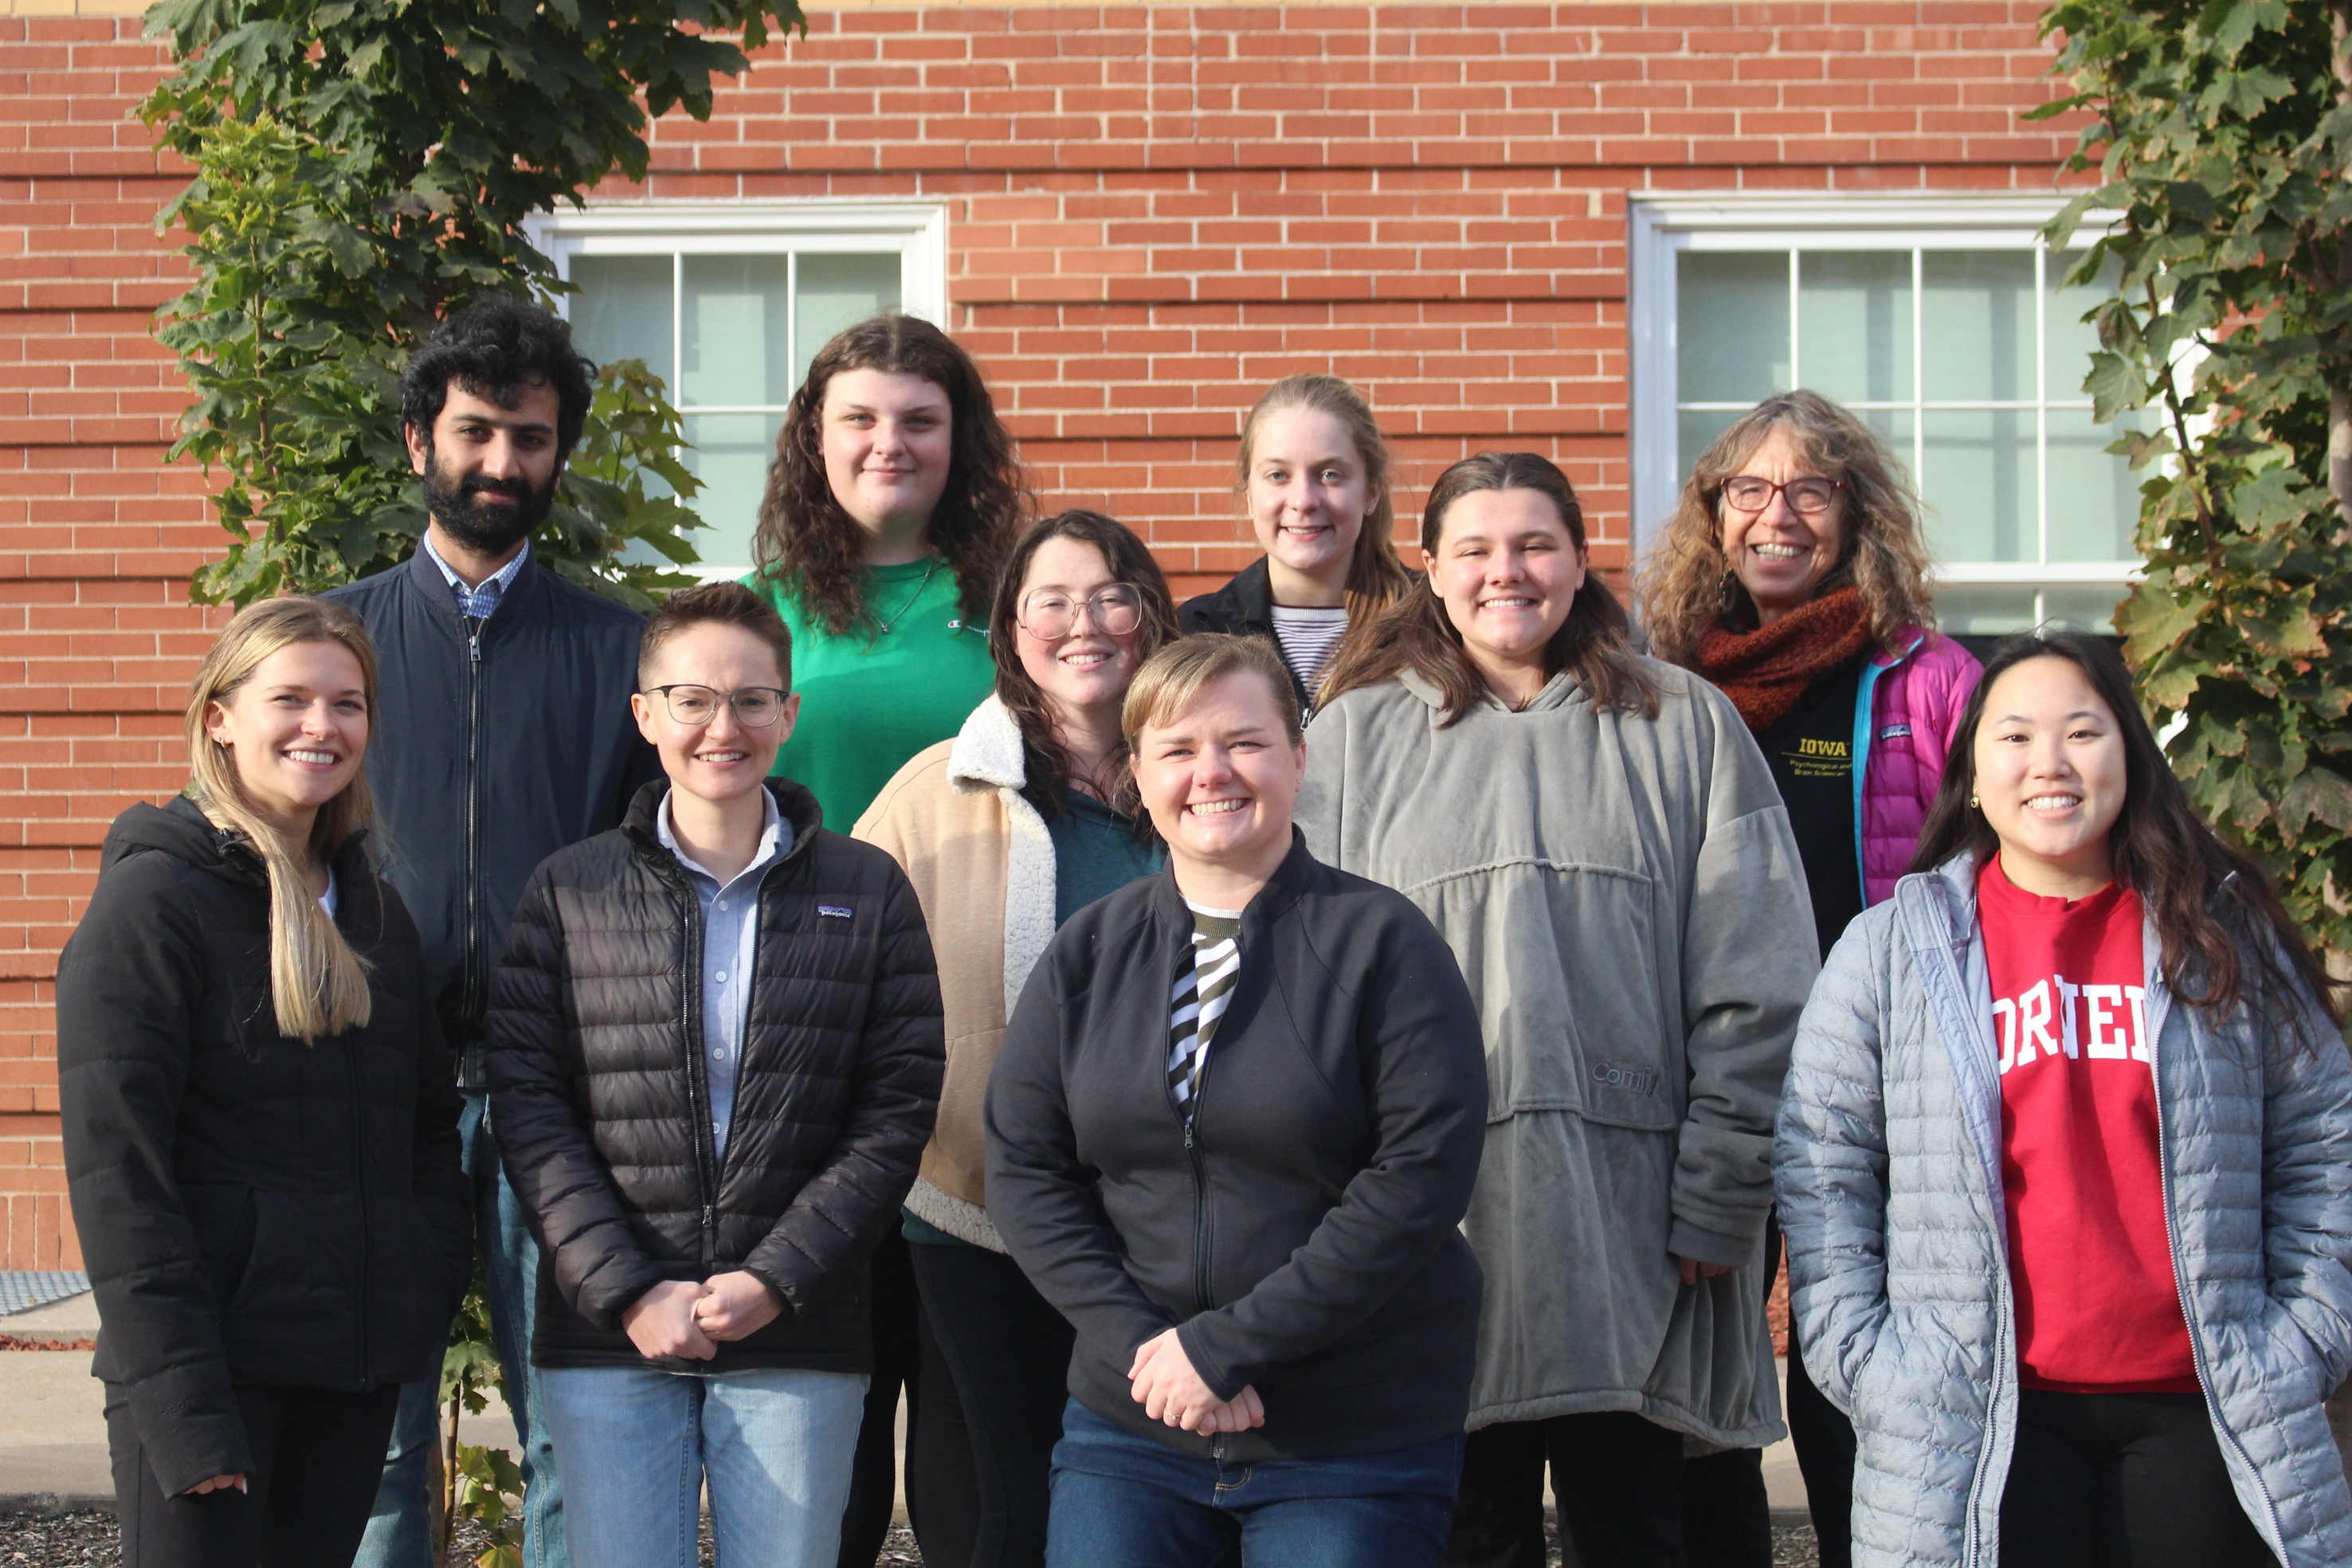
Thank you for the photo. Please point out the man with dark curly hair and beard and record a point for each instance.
(506, 735)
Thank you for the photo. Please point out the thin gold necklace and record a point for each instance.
(882, 627)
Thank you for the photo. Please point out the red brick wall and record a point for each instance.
(1153, 211)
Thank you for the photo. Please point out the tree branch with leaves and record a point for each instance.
(2222, 140)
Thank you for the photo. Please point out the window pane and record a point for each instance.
(1695, 431)
(839, 291)
(1731, 325)
(737, 347)
(1976, 326)
(1854, 324)
(1984, 612)
(2083, 609)
(2094, 494)
(1979, 482)
(622, 311)
(2072, 341)
(730, 458)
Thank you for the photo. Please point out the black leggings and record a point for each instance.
(317, 1457)
(993, 1394)
(1825, 1447)
(873, 1473)
(1619, 1480)
(2121, 1480)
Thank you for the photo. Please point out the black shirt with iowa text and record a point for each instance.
(1812, 754)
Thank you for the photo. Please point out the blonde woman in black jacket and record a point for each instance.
(1232, 1133)
(260, 1121)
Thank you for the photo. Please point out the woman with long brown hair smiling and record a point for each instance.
(2066, 1166)
(260, 1123)
(890, 508)
(1597, 837)
(1023, 819)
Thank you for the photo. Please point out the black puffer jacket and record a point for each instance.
(603, 1113)
(253, 1209)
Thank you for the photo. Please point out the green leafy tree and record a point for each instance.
(2222, 138)
(361, 167)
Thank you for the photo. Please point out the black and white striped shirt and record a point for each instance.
(1199, 998)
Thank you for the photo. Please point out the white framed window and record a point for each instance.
(729, 302)
(1940, 320)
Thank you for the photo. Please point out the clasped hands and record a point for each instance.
(1162, 1381)
(682, 1319)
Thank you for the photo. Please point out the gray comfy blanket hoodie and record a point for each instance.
(1624, 897)
(1889, 1170)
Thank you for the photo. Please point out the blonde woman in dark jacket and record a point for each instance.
(260, 1121)
(1245, 1188)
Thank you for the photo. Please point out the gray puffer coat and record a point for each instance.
(1888, 1170)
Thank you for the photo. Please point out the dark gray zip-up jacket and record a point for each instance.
(1302, 1233)
(497, 742)
(254, 1209)
(604, 1110)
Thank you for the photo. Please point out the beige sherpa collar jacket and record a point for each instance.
(982, 864)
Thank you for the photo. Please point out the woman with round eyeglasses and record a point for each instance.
(1025, 818)
(1793, 575)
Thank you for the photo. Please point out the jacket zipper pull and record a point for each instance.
(474, 647)
(1187, 1134)
(707, 1221)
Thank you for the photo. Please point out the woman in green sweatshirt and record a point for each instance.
(891, 507)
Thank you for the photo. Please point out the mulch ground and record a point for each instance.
(87, 1540)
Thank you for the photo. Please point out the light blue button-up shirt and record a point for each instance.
(731, 929)
(483, 602)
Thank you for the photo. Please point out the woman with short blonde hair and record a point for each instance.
(1244, 1190)
(259, 1119)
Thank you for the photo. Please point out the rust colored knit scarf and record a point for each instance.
(1766, 670)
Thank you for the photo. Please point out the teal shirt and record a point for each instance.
(1096, 853)
(867, 702)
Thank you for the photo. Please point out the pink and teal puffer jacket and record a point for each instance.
(1904, 718)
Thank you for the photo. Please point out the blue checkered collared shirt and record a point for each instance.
(480, 603)
(731, 929)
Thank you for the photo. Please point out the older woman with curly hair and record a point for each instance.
(1793, 575)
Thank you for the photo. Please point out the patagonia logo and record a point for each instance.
(836, 912)
(1641, 1081)
(1894, 733)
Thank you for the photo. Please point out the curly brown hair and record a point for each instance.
(809, 545)
(1687, 585)
(1047, 764)
(1596, 641)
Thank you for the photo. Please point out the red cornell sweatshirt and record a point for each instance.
(2090, 1264)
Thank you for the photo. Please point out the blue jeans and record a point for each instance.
(1125, 1501)
(399, 1532)
(636, 1446)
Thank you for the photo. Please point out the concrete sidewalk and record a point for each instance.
(53, 1423)
(53, 1427)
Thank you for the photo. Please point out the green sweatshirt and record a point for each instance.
(867, 702)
